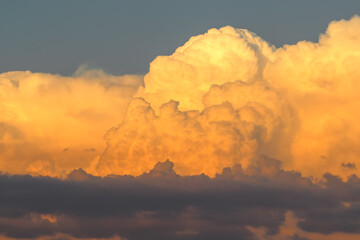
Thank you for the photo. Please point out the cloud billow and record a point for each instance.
(227, 96)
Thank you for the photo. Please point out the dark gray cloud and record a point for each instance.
(297, 237)
(163, 205)
(349, 165)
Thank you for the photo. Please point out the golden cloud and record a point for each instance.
(238, 97)
(224, 97)
(49, 122)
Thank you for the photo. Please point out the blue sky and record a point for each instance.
(125, 36)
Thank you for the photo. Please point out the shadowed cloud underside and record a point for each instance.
(235, 204)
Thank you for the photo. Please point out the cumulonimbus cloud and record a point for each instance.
(216, 57)
(223, 98)
(236, 97)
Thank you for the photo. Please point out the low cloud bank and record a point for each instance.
(165, 205)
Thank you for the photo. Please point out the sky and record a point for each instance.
(58, 37)
(134, 120)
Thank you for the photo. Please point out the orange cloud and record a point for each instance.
(49, 122)
(224, 97)
(196, 142)
(239, 97)
(216, 57)
(321, 82)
